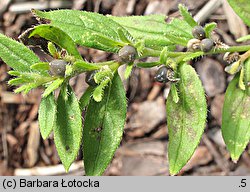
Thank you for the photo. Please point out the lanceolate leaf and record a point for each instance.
(103, 127)
(150, 28)
(58, 37)
(209, 28)
(247, 76)
(187, 16)
(16, 55)
(68, 127)
(176, 27)
(244, 38)
(47, 115)
(85, 66)
(241, 7)
(235, 118)
(53, 86)
(85, 98)
(86, 28)
(186, 118)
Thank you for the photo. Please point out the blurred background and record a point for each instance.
(143, 150)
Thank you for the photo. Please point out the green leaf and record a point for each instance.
(47, 115)
(241, 83)
(123, 37)
(85, 98)
(150, 28)
(14, 73)
(27, 87)
(52, 50)
(53, 86)
(85, 66)
(187, 16)
(244, 38)
(177, 39)
(176, 26)
(209, 28)
(128, 70)
(41, 66)
(233, 68)
(247, 75)
(193, 55)
(68, 127)
(18, 81)
(164, 55)
(147, 64)
(99, 90)
(241, 7)
(235, 119)
(174, 93)
(16, 55)
(186, 118)
(58, 37)
(103, 127)
(86, 28)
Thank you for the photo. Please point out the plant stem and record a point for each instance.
(147, 52)
(240, 48)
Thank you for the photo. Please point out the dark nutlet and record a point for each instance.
(207, 45)
(57, 67)
(127, 54)
(89, 78)
(161, 75)
(198, 32)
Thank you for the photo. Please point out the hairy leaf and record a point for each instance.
(241, 7)
(150, 28)
(174, 93)
(176, 26)
(18, 81)
(87, 28)
(85, 98)
(128, 70)
(147, 64)
(193, 55)
(68, 127)
(16, 55)
(244, 38)
(103, 127)
(53, 86)
(58, 37)
(209, 28)
(85, 66)
(187, 16)
(47, 115)
(41, 66)
(235, 118)
(247, 76)
(186, 118)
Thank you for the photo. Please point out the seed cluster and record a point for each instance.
(200, 42)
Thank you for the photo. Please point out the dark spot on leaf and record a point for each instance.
(67, 148)
(168, 19)
(98, 129)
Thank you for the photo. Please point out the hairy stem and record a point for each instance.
(240, 48)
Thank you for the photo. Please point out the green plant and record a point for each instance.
(104, 101)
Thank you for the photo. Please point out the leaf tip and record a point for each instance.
(234, 158)
(173, 172)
